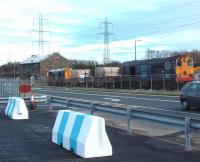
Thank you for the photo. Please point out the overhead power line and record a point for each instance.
(163, 21)
(159, 12)
(178, 27)
(134, 26)
(156, 31)
(134, 19)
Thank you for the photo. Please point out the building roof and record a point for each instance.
(151, 61)
(34, 59)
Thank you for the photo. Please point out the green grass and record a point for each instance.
(131, 91)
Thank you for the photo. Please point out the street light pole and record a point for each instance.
(135, 48)
(14, 70)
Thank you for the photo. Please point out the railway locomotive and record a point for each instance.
(169, 72)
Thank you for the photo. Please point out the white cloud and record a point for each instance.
(66, 21)
(67, 18)
(160, 48)
(14, 52)
(85, 52)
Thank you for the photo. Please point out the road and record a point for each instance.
(30, 140)
(152, 101)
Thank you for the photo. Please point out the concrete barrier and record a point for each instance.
(83, 134)
(16, 108)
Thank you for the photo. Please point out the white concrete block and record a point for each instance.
(56, 127)
(81, 133)
(16, 108)
(8, 105)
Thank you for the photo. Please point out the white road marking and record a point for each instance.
(129, 93)
(112, 99)
(104, 103)
(122, 97)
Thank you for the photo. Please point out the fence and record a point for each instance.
(151, 82)
(9, 87)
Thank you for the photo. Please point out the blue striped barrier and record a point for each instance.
(16, 108)
(83, 134)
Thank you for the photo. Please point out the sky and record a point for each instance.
(73, 28)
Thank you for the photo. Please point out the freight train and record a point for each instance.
(162, 72)
(68, 73)
(60, 76)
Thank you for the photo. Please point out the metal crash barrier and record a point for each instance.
(183, 120)
(38, 99)
(83, 134)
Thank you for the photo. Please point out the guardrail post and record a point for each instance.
(129, 120)
(49, 101)
(92, 108)
(187, 133)
(67, 104)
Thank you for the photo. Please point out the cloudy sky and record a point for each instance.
(74, 25)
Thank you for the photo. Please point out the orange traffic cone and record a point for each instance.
(32, 103)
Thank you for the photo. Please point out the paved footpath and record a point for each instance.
(30, 140)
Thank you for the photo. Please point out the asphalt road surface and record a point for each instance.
(30, 140)
(153, 101)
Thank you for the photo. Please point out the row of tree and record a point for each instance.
(150, 54)
(13, 68)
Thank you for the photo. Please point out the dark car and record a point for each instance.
(190, 95)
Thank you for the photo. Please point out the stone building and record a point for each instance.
(38, 66)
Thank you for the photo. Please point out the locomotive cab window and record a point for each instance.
(190, 62)
(178, 62)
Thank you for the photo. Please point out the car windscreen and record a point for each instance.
(193, 87)
(198, 88)
(186, 87)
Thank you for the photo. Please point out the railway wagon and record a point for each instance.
(107, 77)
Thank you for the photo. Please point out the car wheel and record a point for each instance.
(185, 105)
